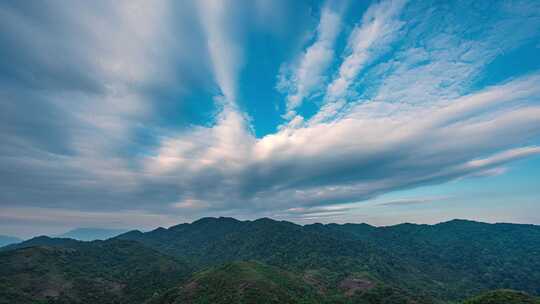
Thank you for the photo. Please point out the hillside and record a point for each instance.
(466, 256)
(503, 297)
(351, 263)
(213, 241)
(451, 260)
(79, 272)
(257, 283)
(241, 282)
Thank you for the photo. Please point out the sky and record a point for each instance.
(139, 114)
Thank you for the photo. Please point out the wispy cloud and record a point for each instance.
(370, 39)
(224, 52)
(406, 107)
(379, 26)
(309, 74)
(320, 165)
(414, 201)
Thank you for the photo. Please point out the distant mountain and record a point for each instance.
(6, 240)
(247, 260)
(43, 241)
(92, 234)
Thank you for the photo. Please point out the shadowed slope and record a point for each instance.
(503, 297)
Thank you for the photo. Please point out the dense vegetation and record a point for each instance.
(78, 272)
(280, 262)
(503, 297)
(241, 282)
(450, 261)
(467, 257)
(254, 282)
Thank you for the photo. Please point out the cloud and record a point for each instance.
(379, 27)
(309, 74)
(353, 158)
(413, 201)
(76, 87)
(406, 108)
(503, 157)
(224, 52)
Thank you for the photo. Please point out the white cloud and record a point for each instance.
(224, 52)
(379, 26)
(356, 157)
(419, 118)
(413, 201)
(309, 75)
(82, 85)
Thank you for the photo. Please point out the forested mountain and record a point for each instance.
(241, 282)
(86, 272)
(449, 260)
(503, 297)
(282, 262)
(255, 282)
(462, 255)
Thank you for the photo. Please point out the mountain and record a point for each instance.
(213, 241)
(224, 257)
(44, 240)
(503, 297)
(465, 256)
(92, 234)
(241, 282)
(255, 282)
(86, 272)
(7, 240)
(451, 260)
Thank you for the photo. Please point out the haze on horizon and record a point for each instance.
(137, 114)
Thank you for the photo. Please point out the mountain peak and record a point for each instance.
(265, 220)
(221, 219)
(461, 222)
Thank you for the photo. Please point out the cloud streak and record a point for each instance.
(380, 24)
(309, 75)
(224, 53)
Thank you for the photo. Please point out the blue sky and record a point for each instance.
(136, 114)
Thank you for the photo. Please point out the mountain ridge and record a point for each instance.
(449, 261)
